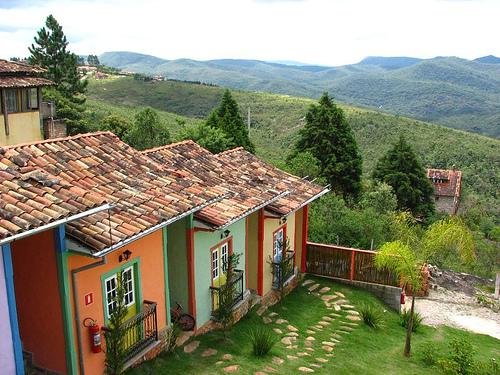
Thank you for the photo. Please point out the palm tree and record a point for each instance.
(414, 248)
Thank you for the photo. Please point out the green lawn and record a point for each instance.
(362, 351)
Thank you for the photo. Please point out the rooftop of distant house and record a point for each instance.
(447, 182)
(20, 74)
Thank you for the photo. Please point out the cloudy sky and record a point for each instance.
(328, 32)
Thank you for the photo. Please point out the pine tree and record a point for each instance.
(329, 138)
(147, 131)
(227, 117)
(50, 51)
(400, 168)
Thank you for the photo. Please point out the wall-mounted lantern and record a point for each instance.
(125, 256)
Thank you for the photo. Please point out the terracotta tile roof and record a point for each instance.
(447, 182)
(255, 171)
(14, 67)
(72, 174)
(7, 82)
(192, 159)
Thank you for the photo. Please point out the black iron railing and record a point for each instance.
(236, 292)
(283, 269)
(140, 331)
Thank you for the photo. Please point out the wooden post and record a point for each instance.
(497, 286)
(353, 259)
(3, 100)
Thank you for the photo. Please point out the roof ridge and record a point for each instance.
(25, 65)
(165, 147)
(53, 140)
(230, 150)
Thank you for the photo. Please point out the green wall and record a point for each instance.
(203, 242)
(177, 263)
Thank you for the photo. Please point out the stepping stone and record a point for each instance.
(303, 354)
(218, 363)
(328, 297)
(340, 294)
(286, 340)
(209, 352)
(334, 339)
(351, 324)
(347, 328)
(310, 349)
(347, 307)
(352, 312)
(232, 368)
(306, 369)
(341, 302)
(329, 354)
(291, 357)
(307, 282)
(278, 360)
(278, 331)
(310, 338)
(336, 307)
(322, 360)
(292, 347)
(260, 373)
(267, 320)
(183, 337)
(191, 347)
(327, 348)
(352, 317)
(318, 327)
(291, 328)
(270, 369)
(308, 343)
(314, 287)
(315, 365)
(281, 321)
(327, 318)
(310, 332)
(292, 334)
(227, 357)
(261, 310)
(324, 290)
(344, 332)
(272, 314)
(335, 315)
(337, 336)
(328, 343)
(323, 323)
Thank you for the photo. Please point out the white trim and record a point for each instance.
(214, 264)
(132, 279)
(106, 300)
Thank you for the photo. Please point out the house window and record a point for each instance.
(11, 97)
(111, 285)
(215, 264)
(278, 243)
(30, 99)
(224, 256)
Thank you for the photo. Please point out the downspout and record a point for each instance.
(102, 262)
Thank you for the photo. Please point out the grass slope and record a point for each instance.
(276, 120)
(455, 92)
(363, 351)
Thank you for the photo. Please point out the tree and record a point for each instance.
(147, 131)
(50, 52)
(93, 60)
(412, 250)
(400, 168)
(329, 138)
(227, 118)
(213, 139)
(116, 124)
(379, 197)
(114, 334)
(303, 164)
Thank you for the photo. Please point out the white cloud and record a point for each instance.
(329, 32)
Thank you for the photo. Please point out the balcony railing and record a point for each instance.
(236, 296)
(140, 331)
(284, 269)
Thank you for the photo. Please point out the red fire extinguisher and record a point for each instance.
(94, 334)
(403, 297)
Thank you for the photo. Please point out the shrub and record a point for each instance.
(428, 354)
(171, 336)
(491, 367)
(262, 340)
(460, 360)
(371, 315)
(404, 318)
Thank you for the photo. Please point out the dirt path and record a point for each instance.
(458, 310)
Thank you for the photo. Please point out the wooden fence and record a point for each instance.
(346, 263)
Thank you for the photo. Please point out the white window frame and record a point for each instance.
(110, 294)
(128, 293)
(224, 251)
(215, 263)
(278, 243)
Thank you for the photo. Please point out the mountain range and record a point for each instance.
(455, 92)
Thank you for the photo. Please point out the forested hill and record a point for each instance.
(459, 93)
(276, 119)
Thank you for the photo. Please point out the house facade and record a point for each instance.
(20, 102)
(447, 189)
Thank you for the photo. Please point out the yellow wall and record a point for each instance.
(299, 216)
(24, 127)
(270, 226)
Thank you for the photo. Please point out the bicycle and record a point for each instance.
(186, 321)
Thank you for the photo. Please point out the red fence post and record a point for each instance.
(353, 257)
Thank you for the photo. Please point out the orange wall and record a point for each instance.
(151, 269)
(38, 301)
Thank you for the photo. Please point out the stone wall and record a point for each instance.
(445, 204)
(390, 295)
(54, 129)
